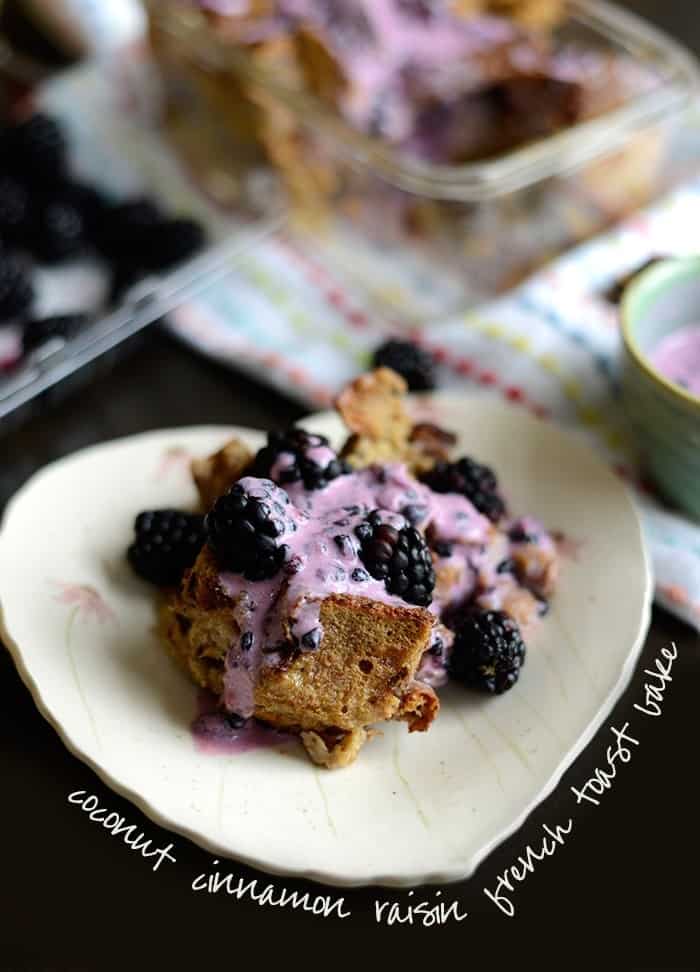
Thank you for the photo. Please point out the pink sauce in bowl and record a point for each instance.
(677, 358)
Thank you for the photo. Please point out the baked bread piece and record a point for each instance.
(373, 408)
(323, 48)
(514, 92)
(538, 14)
(363, 672)
(330, 633)
(215, 474)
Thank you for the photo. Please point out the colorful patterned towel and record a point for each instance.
(550, 346)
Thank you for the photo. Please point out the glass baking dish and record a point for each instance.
(113, 147)
(423, 238)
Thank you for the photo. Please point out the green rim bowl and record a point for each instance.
(665, 417)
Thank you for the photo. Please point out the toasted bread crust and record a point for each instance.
(367, 659)
(381, 430)
(334, 750)
(198, 624)
(419, 706)
(215, 474)
(537, 567)
(372, 407)
(363, 672)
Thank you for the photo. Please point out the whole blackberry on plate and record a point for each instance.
(244, 527)
(36, 149)
(16, 290)
(488, 651)
(14, 209)
(415, 365)
(57, 231)
(468, 478)
(166, 543)
(38, 330)
(170, 241)
(296, 455)
(399, 556)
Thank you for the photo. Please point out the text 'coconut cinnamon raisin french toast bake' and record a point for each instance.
(322, 593)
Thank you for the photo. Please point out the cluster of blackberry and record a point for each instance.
(47, 215)
(398, 556)
(470, 479)
(298, 446)
(247, 525)
(244, 530)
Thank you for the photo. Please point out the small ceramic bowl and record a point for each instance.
(665, 416)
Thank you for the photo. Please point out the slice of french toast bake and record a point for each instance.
(331, 591)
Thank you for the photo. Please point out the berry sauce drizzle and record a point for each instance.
(324, 557)
(216, 732)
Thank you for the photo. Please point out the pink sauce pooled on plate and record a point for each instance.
(677, 357)
(215, 731)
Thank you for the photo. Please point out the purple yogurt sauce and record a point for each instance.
(323, 558)
(677, 357)
(216, 732)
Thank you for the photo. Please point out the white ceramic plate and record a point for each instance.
(414, 808)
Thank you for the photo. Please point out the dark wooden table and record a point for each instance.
(620, 893)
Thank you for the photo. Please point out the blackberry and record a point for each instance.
(36, 149)
(16, 290)
(38, 330)
(14, 209)
(488, 651)
(347, 23)
(414, 513)
(418, 9)
(169, 242)
(312, 639)
(468, 478)
(167, 542)
(416, 366)
(90, 203)
(296, 455)
(399, 556)
(124, 276)
(57, 231)
(519, 534)
(121, 234)
(244, 527)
